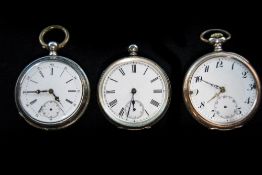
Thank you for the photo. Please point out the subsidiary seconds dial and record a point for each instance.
(134, 92)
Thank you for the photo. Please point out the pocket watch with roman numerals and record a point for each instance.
(134, 92)
(221, 89)
(52, 92)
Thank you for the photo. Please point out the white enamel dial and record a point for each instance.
(134, 92)
(223, 90)
(50, 92)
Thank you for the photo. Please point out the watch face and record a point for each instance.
(222, 90)
(52, 92)
(134, 92)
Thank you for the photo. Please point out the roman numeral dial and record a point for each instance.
(139, 95)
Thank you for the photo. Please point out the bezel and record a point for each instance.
(193, 111)
(70, 119)
(141, 125)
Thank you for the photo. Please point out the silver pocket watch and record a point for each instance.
(221, 89)
(134, 92)
(53, 91)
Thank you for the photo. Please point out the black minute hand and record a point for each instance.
(130, 105)
(211, 84)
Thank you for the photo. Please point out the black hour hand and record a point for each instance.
(37, 91)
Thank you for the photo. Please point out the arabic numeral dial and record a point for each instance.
(222, 91)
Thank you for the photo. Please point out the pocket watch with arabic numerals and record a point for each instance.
(221, 89)
(52, 92)
(134, 92)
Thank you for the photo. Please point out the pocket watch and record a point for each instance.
(221, 89)
(52, 92)
(134, 92)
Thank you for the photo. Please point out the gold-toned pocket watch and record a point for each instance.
(221, 89)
